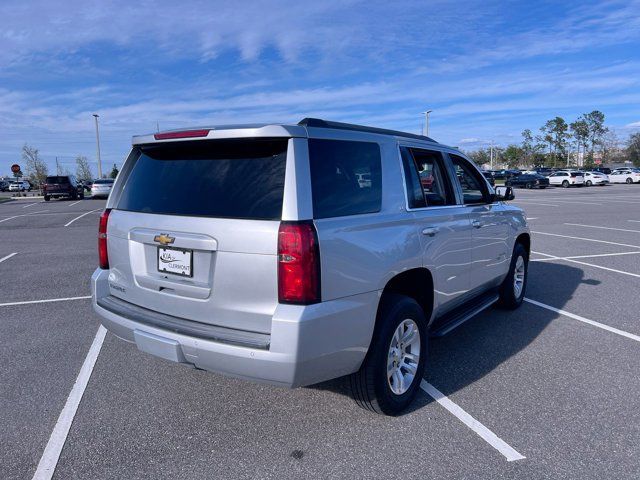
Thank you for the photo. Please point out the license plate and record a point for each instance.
(177, 261)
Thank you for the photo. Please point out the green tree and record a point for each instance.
(513, 156)
(596, 131)
(633, 148)
(555, 134)
(35, 167)
(531, 148)
(114, 171)
(580, 132)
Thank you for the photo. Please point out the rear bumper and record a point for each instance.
(307, 344)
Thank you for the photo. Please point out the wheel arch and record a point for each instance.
(416, 283)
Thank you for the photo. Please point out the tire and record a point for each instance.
(565, 184)
(589, 183)
(529, 186)
(81, 196)
(370, 386)
(47, 198)
(542, 187)
(74, 196)
(507, 183)
(511, 295)
(629, 181)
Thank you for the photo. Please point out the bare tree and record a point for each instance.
(83, 169)
(35, 167)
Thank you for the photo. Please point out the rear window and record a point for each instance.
(103, 182)
(57, 180)
(336, 167)
(237, 178)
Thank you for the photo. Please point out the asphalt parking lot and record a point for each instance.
(555, 381)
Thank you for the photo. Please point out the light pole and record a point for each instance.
(95, 115)
(425, 131)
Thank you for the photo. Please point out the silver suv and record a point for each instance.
(302, 253)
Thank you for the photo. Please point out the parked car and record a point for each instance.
(490, 178)
(604, 170)
(86, 184)
(62, 186)
(504, 174)
(625, 176)
(527, 180)
(595, 178)
(544, 171)
(567, 179)
(101, 187)
(4, 186)
(253, 276)
(22, 186)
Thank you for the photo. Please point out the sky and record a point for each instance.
(487, 69)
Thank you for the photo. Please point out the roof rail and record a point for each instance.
(319, 123)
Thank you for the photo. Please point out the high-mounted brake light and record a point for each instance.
(181, 134)
(298, 263)
(103, 255)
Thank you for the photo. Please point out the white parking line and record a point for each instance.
(536, 203)
(51, 454)
(585, 239)
(80, 216)
(483, 432)
(603, 228)
(23, 215)
(74, 203)
(585, 320)
(636, 221)
(552, 258)
(31, 205)
(8, 257)
(48, 300)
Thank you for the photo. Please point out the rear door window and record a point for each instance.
(427, 183)
(57, 179)
(346, 177)
(239, 178)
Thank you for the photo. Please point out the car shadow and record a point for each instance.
(482, 344)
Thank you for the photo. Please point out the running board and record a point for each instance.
(461, 314)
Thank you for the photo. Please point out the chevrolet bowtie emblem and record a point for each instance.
(164, 239)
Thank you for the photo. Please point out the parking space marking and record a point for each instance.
(552, 258)
(8, 257)
(23, 215)
(536, 203)
(483, 432)
(31, 205)
(584, 320)
(80, 216)
(586, 239)
(74, 203)
(51, 454)
(636, 221)
(48, 300)
(603, 228)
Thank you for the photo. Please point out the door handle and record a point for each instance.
(476, 224)
(430, 231)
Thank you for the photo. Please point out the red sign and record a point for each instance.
(15, 168)
(598, 161)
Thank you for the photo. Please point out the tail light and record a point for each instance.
(102, 240)
(298, 263)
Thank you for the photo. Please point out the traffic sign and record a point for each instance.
(15, 168)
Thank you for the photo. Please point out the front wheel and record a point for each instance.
(589, 183)
(565, 184)
(47, 198)
(514, 286)
(391, 373)
(529, 186)
(629, 181)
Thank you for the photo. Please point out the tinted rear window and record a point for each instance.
(335, 167)
(57, 180)
(240, 178)
(103, 182)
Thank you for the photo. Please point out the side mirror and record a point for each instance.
(504, 194)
